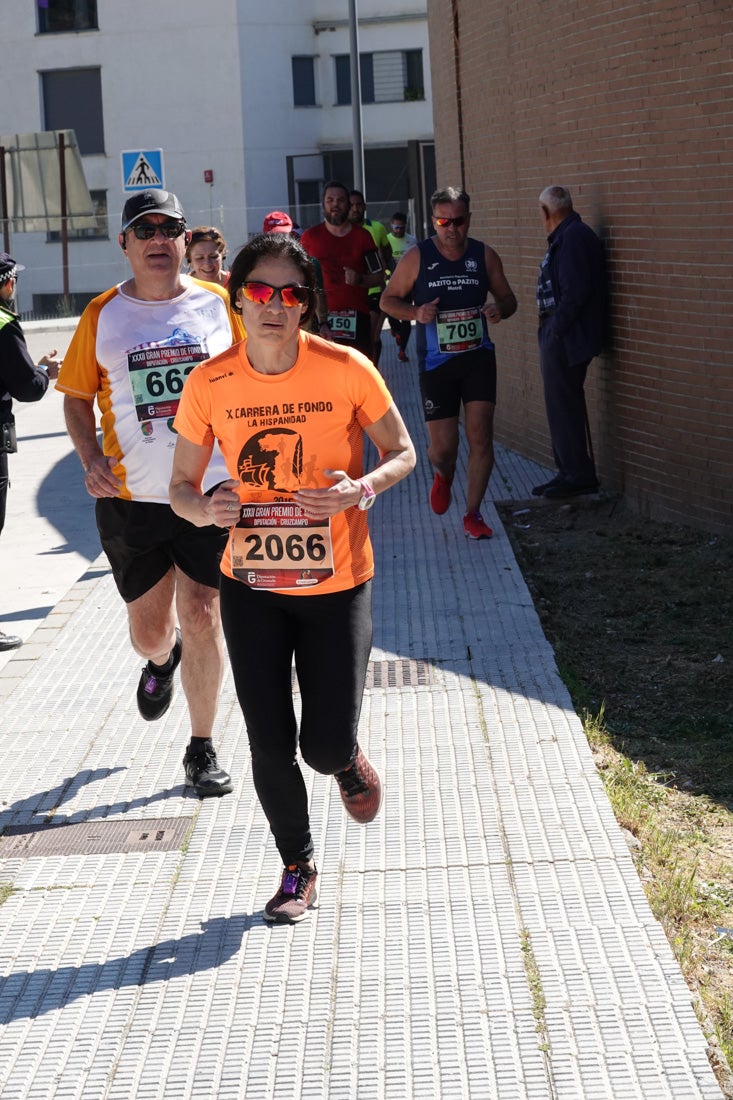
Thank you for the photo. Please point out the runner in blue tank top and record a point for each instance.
(454, 287)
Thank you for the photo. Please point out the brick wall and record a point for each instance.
(630, 106)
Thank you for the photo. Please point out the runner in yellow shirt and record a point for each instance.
(357, 216)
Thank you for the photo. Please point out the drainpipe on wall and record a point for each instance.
(459, 101)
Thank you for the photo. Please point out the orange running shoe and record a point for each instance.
(360, 789)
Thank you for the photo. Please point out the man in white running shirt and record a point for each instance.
(130, 354)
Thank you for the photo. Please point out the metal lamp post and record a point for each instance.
(358, 141)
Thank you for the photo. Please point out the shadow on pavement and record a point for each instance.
(29, 993)
(28, 614)
(65, 503)
(35, 808)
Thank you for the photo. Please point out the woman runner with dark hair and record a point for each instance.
(290, 412)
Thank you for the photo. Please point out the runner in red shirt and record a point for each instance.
(347, 255)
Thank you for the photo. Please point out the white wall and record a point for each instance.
(300, 130)
(210, 84)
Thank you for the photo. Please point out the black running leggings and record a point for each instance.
(331, 638)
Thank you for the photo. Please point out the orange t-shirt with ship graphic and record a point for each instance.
(278, 433)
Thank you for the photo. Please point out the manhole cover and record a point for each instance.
(91, 838)
(397, 673)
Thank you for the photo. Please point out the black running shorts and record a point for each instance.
(467, 377)
(142, 541)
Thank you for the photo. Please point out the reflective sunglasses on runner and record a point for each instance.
(145, 231)
(443, 223)
(291, 295)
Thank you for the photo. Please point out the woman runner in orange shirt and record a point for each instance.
(290, 412)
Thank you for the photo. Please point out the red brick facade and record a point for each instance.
(631, 107)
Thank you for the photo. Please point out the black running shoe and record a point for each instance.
(155, 690)
(203, 772)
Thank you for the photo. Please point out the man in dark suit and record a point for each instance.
(572, 305)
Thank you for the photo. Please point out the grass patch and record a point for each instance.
(6, 891)
(640, 616)
(694, 906)
(534, 981)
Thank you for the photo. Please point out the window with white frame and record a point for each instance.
(387, 76)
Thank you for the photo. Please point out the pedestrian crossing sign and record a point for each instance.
(142, 169)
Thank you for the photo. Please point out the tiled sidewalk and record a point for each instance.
(486, 937)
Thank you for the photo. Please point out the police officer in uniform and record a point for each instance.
(20, 378)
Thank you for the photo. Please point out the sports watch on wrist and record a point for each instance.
(368, 496)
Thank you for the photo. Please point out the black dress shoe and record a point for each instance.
(539, 490)
(9, 641)
(561, 490)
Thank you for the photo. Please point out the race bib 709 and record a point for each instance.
(459, 330)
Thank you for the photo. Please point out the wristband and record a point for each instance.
(367, 498)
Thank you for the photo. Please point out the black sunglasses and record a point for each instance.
(145, 231)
